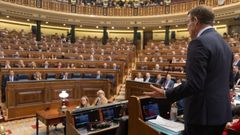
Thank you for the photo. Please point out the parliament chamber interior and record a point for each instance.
(77, 67)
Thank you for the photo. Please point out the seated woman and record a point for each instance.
(84, 102)
(37, 76)
(139, 77)
(101, 99)
(7, 65)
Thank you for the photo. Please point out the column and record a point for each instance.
(105, 36)
(166, 41)
(147, 36)
(73, 38)
(38, 32)
(135, 36)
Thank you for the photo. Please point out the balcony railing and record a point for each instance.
(117, 11)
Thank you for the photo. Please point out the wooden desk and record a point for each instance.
(50, 117)
(24, 99)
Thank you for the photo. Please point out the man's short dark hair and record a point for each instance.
(203, 13)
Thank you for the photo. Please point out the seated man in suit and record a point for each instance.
(99, 75)
(115, 67)
(8, 78)
(159, 80)
(148, 78)
(169, 83)
(65, 76)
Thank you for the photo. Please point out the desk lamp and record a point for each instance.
(64, 95)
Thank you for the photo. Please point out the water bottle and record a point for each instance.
(173, 112)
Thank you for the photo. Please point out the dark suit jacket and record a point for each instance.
(150, 80)
(170, 85)
(209, 78)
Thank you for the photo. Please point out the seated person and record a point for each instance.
(33, 65)
(105, 65)
(72, 66)
(157, 67)
(178, 82)
(7, 65)
(91, 58)
(115, 67)
(101, 99)
(159, 80)
(99, 75)
(2, 54)
(65, 76)
(21, 64)
(11, 77)
(148, 78)
(139, 77)
(168, 84)
(84, 102)
(46, 64)
(59, 65)
(37, 76)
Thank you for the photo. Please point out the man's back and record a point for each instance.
(208, 69)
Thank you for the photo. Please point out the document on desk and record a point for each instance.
(166, 126)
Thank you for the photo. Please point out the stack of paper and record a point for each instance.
(166, 126)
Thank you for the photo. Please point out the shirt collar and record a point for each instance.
(201, 31)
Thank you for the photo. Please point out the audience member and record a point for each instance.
(148, 78)
(168, 84)
(101, 99)
(37, 76)
(7, 65)
(139, 77)
(84, 102)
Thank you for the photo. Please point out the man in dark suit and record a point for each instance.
(207, 106)
(168, 83)
(159, 80)
(99, 75)
(148, 78)
(8, 78)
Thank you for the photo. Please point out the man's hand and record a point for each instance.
(155, 93)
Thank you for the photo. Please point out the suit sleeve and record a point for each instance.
(196, 69)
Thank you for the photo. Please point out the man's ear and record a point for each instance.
(195, 19)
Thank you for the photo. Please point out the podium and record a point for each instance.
(137, 125)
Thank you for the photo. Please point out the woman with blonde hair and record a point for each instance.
(101, 99)
(84, 102)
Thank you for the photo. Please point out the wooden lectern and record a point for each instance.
(136, 124)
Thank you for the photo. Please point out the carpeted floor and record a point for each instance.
(28, 127)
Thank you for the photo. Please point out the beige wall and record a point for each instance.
(12, 25)
(51, 30)
(181, 33)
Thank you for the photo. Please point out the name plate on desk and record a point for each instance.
(166, 126)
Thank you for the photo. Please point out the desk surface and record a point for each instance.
(51, 114)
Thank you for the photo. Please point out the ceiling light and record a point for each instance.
(97, 27)
(112, 27)
(46, 22)
(7, 16)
